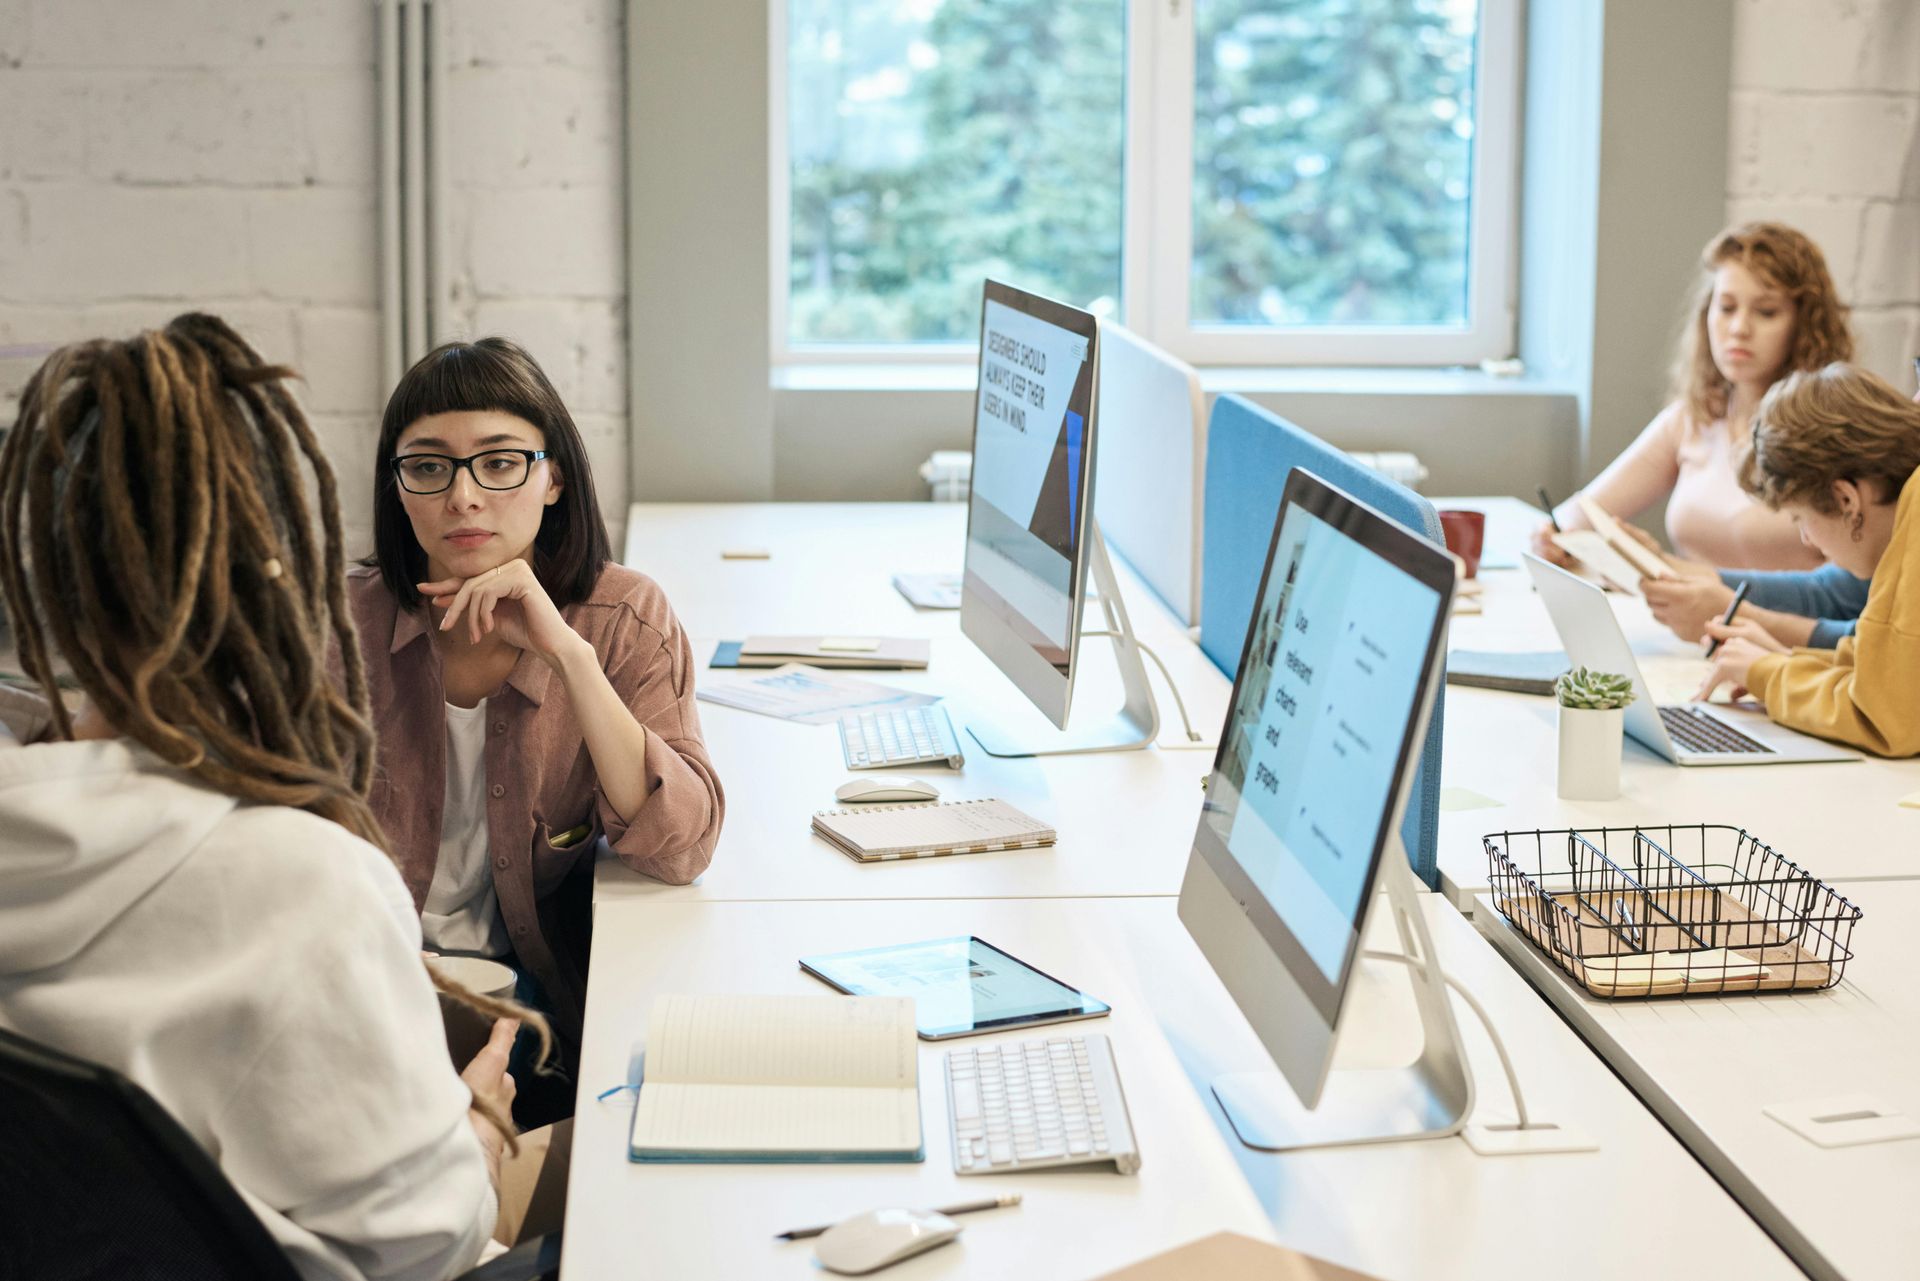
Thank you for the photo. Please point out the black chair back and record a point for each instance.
(97, 1182)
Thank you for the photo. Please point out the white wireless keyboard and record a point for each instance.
(900, 736)
(1038, 1104)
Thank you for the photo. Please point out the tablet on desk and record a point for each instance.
(960, 986)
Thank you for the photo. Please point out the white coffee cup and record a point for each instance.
(476, 974)
(467, 1029)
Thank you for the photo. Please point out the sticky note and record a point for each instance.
(850, 644)
(1911, 800)
(745, 553)
(1454, 799)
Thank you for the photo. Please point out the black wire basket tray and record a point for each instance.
(1657, 911)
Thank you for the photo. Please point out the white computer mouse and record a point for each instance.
(860, 790)
(868, 1242)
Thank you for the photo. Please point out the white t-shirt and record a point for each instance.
(462, 911)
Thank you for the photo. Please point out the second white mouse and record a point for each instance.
(868, 1242)
(860, 790)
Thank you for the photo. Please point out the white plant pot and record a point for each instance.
(1590, 742)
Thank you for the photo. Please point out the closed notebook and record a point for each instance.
(877, 832)
(890, 653)
(779, 1078)
(1528, 672)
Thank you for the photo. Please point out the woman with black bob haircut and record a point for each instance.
(530, 696)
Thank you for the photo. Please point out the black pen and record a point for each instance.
(995, 1203)
(1548, 504)
(1739, 594)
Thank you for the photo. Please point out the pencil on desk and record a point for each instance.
(991, 1203)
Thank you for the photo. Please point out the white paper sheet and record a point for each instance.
(810, 695)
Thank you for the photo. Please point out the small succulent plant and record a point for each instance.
(1598, 691)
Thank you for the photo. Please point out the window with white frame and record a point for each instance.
(1240, 181)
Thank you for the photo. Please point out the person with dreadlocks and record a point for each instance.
(530, 696)
(193, 890)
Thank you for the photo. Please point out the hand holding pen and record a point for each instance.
(1739, 595)
(1543, 545)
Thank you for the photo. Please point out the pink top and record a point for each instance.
(540, 777)
(1709, 517)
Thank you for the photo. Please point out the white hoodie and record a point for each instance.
(257, 970)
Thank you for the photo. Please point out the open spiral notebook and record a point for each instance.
(925, 829)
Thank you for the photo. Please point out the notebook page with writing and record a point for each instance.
(782, 1040)
(951, 825)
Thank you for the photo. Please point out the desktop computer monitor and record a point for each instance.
(1302, 810)
(1153, 461)
(1028, 521)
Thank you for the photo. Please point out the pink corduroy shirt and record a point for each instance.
(540, 778)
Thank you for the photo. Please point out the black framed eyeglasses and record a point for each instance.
(492, 469)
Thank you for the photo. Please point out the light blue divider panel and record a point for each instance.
(1250, 450)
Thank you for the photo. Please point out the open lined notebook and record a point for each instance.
(922, 830)
(779, 1078)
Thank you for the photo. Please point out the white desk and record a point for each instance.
(1841, 821)
(1708, 1066)
(829, 569)
(1409, 1210)
(1416, 1210)
(1125, 819)
(718, 1221)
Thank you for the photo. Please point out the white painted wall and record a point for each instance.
(160, 155)
(1825, 135)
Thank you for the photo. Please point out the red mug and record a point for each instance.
(1466, 535)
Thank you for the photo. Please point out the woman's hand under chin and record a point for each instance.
(508, 601)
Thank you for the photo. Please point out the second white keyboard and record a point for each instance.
(1030, 1105)
(900, 736)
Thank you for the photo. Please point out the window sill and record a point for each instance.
(1255, 381)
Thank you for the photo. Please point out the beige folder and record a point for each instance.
(1228, 1256)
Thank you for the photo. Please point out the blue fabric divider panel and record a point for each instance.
(1250, 450)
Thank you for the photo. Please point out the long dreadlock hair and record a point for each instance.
(156, 532)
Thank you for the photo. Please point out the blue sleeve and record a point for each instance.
(1829, 595)
(1828, 632)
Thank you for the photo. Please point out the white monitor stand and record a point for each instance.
(1137, 724)
(1428, 1099)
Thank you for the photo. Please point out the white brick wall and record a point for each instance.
(222, 155)
(538, 174)
(1825, 129)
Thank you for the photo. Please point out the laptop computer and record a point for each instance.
(1689, 734)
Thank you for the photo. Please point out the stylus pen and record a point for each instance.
(995, 1203)
(1739, 594)
(1548, 504)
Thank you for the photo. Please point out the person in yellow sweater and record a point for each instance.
(1838, 450)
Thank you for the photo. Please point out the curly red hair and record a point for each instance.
(1786, 260)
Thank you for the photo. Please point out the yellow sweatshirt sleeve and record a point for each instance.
(1866, 692)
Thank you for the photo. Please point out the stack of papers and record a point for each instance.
(809, 695)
